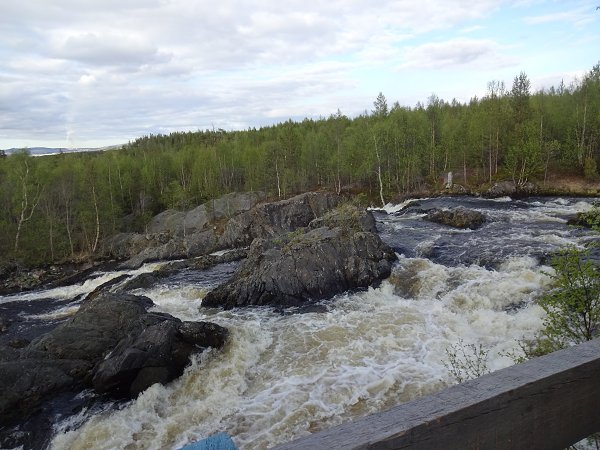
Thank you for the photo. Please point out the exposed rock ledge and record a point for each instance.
(210, 227)
(303, 267)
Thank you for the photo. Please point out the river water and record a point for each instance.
(284, 374)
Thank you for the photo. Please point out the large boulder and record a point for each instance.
(312, 266)
(126, 245)
(178, 223)
(158, 354)
(169, 221)
(95, 329)
(458, 217)
(97, 344)
(176, 234)
(272, 219)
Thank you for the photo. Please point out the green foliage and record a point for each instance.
(589, 219)
(466, 361)
(573, 305)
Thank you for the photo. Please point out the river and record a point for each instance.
(284, 374)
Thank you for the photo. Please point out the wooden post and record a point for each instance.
(549, 402)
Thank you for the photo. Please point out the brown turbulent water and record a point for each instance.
(284, 375)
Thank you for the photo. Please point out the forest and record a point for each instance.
(58, 208)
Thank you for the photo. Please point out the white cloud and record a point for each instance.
(578, 17)
(123, 68)
(453, 54)
(87, 79)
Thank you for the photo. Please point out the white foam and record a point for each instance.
(72, 291)
(505, 199)
(391, 208)
(283, 376)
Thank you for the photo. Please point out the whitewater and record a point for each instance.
(285, 373)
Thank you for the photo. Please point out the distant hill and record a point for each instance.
(42, 151)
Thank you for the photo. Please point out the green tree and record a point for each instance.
(573, 306)
(380, 106)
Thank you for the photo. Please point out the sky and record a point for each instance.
(90, 73)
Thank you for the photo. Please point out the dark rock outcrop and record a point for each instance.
(157, 355)
(305, 267)
(112, 340)
(177, 234)
(458, 217)
(272, 219)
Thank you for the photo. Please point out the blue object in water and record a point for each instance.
(220, 441)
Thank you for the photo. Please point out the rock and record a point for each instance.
(95, 329)
(169, 222)
(25, 383)
(177, 223)
(196, 220)
(272, 219)
(458, 217)
(158, 354)
(312, 266)
(348, 216)
(510, 188)
(3, 325)
(112, 342)
(142, 281)
(502, 189)
(173, 249)
(125, 245)
(175, 234)
(200, 243)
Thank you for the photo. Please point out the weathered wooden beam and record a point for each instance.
(545, 403)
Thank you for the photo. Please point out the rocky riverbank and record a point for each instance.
(302, 249)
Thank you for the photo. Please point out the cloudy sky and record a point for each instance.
(86, 73)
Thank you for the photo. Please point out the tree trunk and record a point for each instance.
(27, 210)
(278, 181)
(97, 238)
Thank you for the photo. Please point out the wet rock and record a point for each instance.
(312, 266)
(3, 325)
(95, 329)
(142, 281)
(25, 383)
(18, 279)
(272, 219)
(158, 354)
(458, 217)
(173, 249)
(107, 333)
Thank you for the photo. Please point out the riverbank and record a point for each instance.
(16, 277)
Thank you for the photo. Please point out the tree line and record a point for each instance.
(60, 207)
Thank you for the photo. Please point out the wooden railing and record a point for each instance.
(545, 403)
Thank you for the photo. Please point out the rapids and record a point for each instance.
(284, 374)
